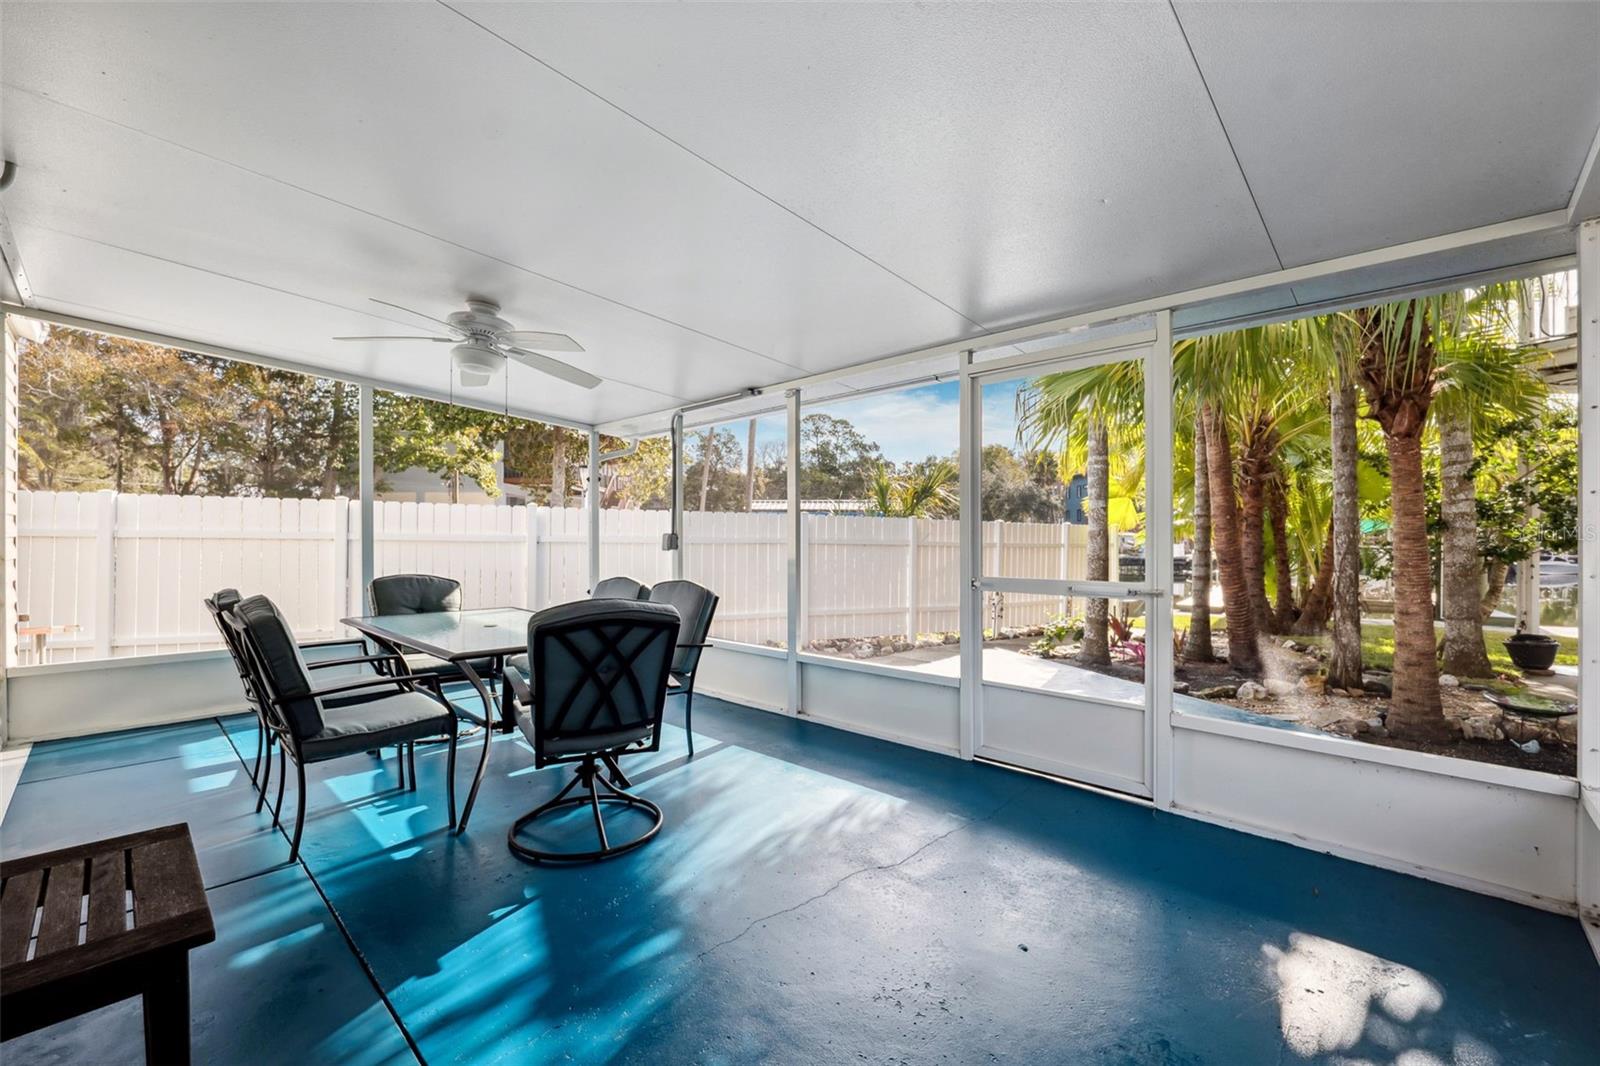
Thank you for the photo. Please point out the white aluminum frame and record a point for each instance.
(1153, 348)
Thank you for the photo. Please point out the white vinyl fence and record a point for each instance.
(117, 575)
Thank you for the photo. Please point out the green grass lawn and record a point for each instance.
(1377, 642)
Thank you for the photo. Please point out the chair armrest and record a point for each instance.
(324, 663)
(407, 683)
(519, 686)
(360, 642)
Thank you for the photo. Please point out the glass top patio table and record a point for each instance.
(464, 638)
(452, 635)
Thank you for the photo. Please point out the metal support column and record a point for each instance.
(793, 526)
(591, 500)
(1158, 437)
(368, 480)
(971, 619)
(674, 540)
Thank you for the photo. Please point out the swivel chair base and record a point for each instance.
(597, 789)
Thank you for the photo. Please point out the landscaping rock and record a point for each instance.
(1449, 681)
(1279, 687)
(1383, 684)
(1315, 684)
(1348, 727)
(1180, 687)
(1481, 727)
(1216, 692)
(1250, 690)
(1567, 729)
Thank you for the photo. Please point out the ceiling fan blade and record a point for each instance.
(546, 365)
(419, 314)
(548, 342)
(442, 340)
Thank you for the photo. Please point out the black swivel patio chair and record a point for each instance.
(219, 604)
(597, 691)
(696, 606)
(607, 588)
(315, 724)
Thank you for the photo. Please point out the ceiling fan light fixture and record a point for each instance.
(476, 363)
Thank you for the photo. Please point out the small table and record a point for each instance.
(459, 638)
(38, 634)
(116, 918)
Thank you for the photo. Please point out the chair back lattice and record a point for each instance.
(599, 667)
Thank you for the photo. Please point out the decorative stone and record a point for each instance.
(1216, 692)
(1567, 729)
(1251, 690)
(1348, 727)
(1482, 727)
(1449, 681)
(1180, 687)
(1276, 687)
(1383, 684)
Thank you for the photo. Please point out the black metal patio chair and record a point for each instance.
(619, 588)
(425, 594)
(696, 606)
(596, 692)
(315, 724)
(225, 600)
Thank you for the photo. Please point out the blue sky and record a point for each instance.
(912, 424)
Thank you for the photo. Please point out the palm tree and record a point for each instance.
(927, 491)
(1397, 370)
(1344, 546)
(1081, 412)
(1481, 378)
(1197, 645)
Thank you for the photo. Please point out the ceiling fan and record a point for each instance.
(484, 341)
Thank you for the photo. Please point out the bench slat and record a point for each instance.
(108, 907)
(166, 881)
(63, 907)
(17, 907)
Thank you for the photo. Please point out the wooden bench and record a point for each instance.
(93, 924)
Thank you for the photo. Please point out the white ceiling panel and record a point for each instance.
(412, 114)
(1363, 125)
(112, 186)
(114, 285)
(715, 197)
(1016, 161)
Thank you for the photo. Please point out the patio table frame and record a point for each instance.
(497, 643)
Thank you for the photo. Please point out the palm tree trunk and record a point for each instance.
(1319, 601)
(1344, 664)
(1096, 649)
(1197, 646)
(1243, 653)
(1283, 612)
(1462, 586)
(1415, 709)
(1499, 570)
(1252, 526)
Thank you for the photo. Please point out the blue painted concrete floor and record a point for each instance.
(814, 897)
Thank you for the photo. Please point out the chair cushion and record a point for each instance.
(374, 723)
(695, 605)
(415, 594)
(599, 742)
(619, 588)
(285, 667)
